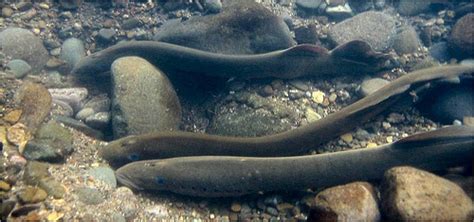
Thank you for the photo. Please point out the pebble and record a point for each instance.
(35, 102)
(347, 137)
(32, 195)
(19, 43)
(461, 39)
(351, 202)
(24, 6)
(98, 120)
(84, 113)
(89, 196)
(131, 23)
(371, 85)
(406, 40)
(376, 28)
(412, 194)
(410, 7)
(18, 134)
(80, 126)
(75, 97)
(54, 63)
(7, 12)
(61, 108)
(213, 6)
(4, 186)
(312, 115)
(340, 11)
(99, 103)
(236, 207)
(306, 34)
(106, 35)
(158, 107)
(318, 96)
(72, 51)
(13, 116)
(309, 4)
(267, 91)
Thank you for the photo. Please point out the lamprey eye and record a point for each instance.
(134, 157)
(160, 180)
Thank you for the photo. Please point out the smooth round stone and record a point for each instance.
(213, 6)
(144, 100)
(461, 40)
(99, 103)
(19, 43)
(131, 23)
(369, 86)
(19, 67)
(72, 51)
(99, 120)
(339, 11)
(106, 35)
(308, 4)
(84, 113)
(105, 174)
(406, 41)
(75, 97)
(411, 7)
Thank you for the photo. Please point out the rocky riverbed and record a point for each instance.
(53, 123)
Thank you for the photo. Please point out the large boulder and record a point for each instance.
(243, 27)
(143, 99)
(21, 44)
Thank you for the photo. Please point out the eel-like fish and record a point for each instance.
(221, 176)
(354, 57)
(162, 145)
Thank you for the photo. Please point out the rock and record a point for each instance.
(351, 202)
(106, 35)
(376, 28)
(371, 85)
(24, 6)
(84, 113)
(157, 107)
(99, 103)
(340, 11)
(13, 116)
(98, 120)
(5, 208)
(19, 43)
(32, 195)
(19, 67)
(410, 7)
(105, 174)
(70, 4)
(7, 11)
(61, 108)
(243, 27)
(35, 102)
(75, 97)
(131, 23)
(89, 196)
(52, 187)
(34, 172)
(461, 40)
(439, 51)
(406, 41)
(78, 125)
(308, 4)
(52, 143)
(312, 115)
(448, 102)
(213, 6)
(126, 202)
(72, 51)
(306, 34)
(412, 194)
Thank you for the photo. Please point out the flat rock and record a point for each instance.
(143, 99)
(409, 194)
(75, 97)
(100, 103)
(371, 85)
(351, 202)
(242, 27)
(308, 4)
(35, 102)
(376, 28)
(72, 51)
(19, 68)
(461, 40)
(406, 40)
(98, 120)
(32, 195)
(19, 43)
(105, 174)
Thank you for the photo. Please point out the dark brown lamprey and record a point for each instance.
(222, 176)
(294, 142)
(354, 57)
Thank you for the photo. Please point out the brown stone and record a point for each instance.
(351, 202)
(416, 195)
(32, 195)
(461, 41)
(13, 116)
(35, 101)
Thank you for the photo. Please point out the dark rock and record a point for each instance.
(351, 202)
(99, 103)
(7, 11)
(461, 40)
(52, 187)
(52, 143)
(440, 52)
(243, 27)
(98, 120)
(143, 100)
(89, 196)
(309, 4)
(70, 4)
(61, 108)
(376, 28)
(106, 35)
(19, 67)
(35, 102)
(406, 41)
(306, 34)
(409, 194)
(213, 6)
(448, 102)
(410, 7)
(5, 208)
(78, 125)
(35, 171)
(19, 43)
(131, 23)
(32, 195)
(24, 6)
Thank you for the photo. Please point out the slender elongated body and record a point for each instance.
(294, 142)
(219, 176)
(353, 57)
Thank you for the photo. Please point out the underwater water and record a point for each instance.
(245, 110)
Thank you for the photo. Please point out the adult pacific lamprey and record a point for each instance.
(354, 57)
(221, 176)
(298, 141)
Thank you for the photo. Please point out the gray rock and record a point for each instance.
(98, 120)
(409, 194)
(75, 97)
(406, 40)
(78, 125)
(52, 143)
(440, 52)
(89, 196)
(61, 108)
(84, 113)
(106, 35)
(105, 174)
(461, 40)
(19, 68)
(19, 43)
(213, 6)
(376, 28)
(371, 85)
(351, 202)
(309, 4)
(99, 103)
(410, 7)
(243, 27)
(72, 51)
(339, 11)
(131, 23)
(143, 99)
